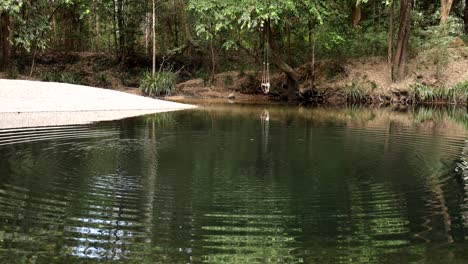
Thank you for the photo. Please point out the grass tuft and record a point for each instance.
(356, 92)
(457, 94)
(162, 84)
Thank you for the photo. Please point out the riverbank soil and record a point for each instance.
(335, 81)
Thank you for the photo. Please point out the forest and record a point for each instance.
(161, 42)
(233, 131)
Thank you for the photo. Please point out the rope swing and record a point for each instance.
(266, 63)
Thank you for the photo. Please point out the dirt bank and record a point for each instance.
(365, 80)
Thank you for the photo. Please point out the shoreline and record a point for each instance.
(35, 104)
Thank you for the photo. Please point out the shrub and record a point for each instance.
(460, 92)
(242, 71)
(335, 71)
(12, 71)
(205, 76)
(104, 79)
(62, 77)
(163, 83)
(250, 85)
(435, 42)
(228, 80)
(457, 94)
(356, 92)
(130, 78)
(423, 93)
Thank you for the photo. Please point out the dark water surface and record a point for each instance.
(232, 184)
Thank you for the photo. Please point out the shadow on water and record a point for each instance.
(240, 184)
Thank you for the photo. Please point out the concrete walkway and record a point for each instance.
(30, 103)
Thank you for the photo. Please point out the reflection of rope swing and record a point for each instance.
(266, 63)
(265, 120)
(265, 116)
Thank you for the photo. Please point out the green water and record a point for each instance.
(239, 184)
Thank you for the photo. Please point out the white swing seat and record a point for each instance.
(266, 87)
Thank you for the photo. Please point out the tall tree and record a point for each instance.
(357, 16)
(261, 16)
(466, 16)
(5, 38)
(9, 10)
(401, 52)
(154, 38)
(390, 36)
(445, 7)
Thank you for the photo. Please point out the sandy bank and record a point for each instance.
(30, 103)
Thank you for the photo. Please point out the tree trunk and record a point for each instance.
(291, 74)
(121, 30)
(466, 16)
(147, 32)
(176, 24)
(115, 29)
(401, 54)
(187, 30)
(213, 59)
(312, 70)
(54, 30)
(98, 32)
(33, 61)
(154, 38)
(5, 37)
(288, 31)
(390, 38)
(445, 7)
(357, 16)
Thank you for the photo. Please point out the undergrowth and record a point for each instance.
(61, 77)
(356, 92)
(162, 84)
(457, 94)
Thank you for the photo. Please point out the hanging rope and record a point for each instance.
(266, 63)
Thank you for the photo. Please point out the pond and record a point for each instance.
(239, 184)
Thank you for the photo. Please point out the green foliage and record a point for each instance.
(32, 33)
(334, 70)
(373, 85)
(10, 6)
(162, 84)
(228, 80)
(31, 21)
(434, 43)
(251, 14)
(242, 72)
(61, 77)
(104, 79)
(250, 85)
(457, 94)
(460, 92)
(205, 76)
(356, 92)
(423, 93)
(12, 71)
(238, 20)
(464, 38)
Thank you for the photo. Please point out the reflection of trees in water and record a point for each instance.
(211, 193)
(462, 170)
(218, 200)
(453, 114)
(99, 198)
